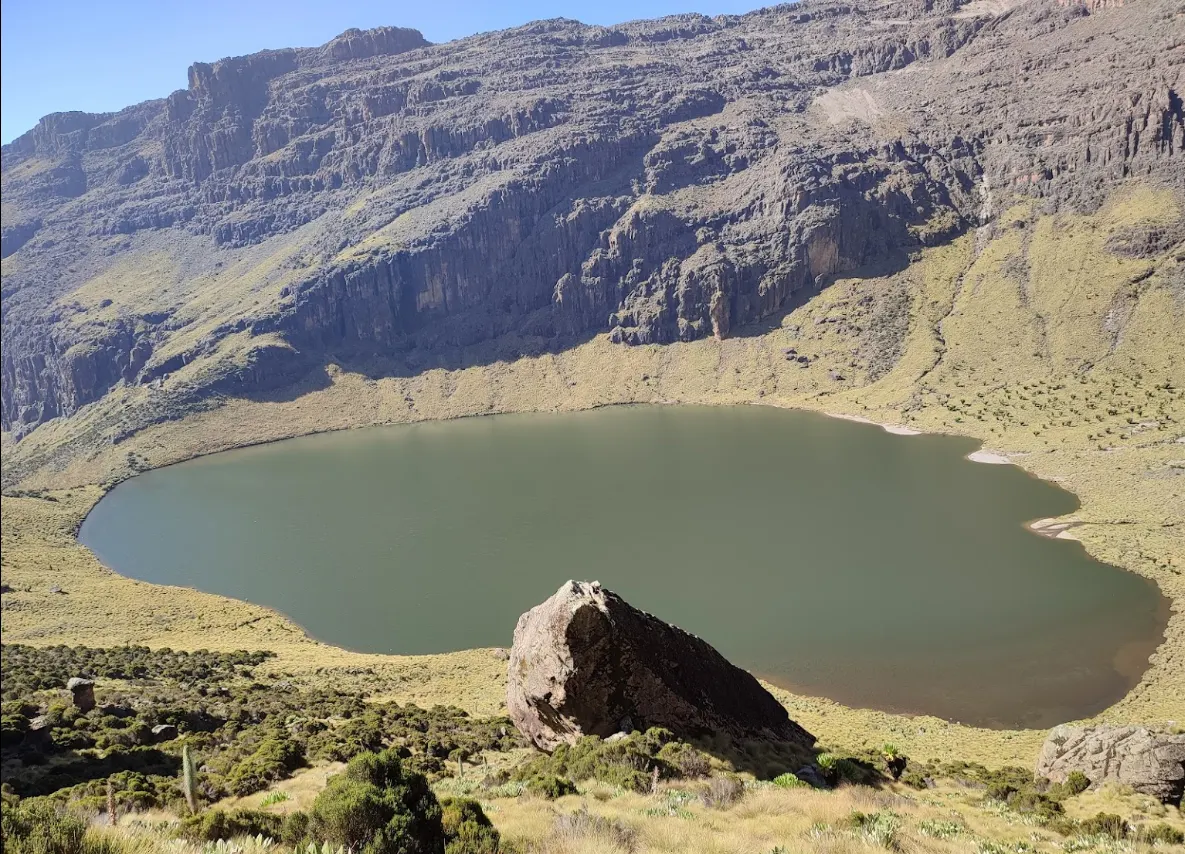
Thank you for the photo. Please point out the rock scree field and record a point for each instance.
(947, 216)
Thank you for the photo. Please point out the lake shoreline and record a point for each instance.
(349, 403)
(651, 443)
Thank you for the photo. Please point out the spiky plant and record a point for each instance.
(112, 818)
(188, 786)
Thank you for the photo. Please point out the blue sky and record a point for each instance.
(102, 55)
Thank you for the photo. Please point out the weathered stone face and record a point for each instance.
(1152, 763)
(83, 691)
(585, 662)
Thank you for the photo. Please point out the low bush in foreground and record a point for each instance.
(377, 807)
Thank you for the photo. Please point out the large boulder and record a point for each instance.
(1151, 762)
(585, 662)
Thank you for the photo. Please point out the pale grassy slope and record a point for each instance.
(1030, 335)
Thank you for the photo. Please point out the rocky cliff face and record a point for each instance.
(395, 204)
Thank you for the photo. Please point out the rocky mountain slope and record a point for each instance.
(392, 205)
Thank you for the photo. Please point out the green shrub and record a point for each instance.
(1104, 824)
(789, 781)
(276, 758)
(915, 780)
(218, 824)
(467, 830)
(378, 808)
(550, 786)
(1077, 783)
(295, 829)
(878, 828)
(895, 760)
(846, 769)
(1034, 803)
(1000, 792)
(941, 829)
(40, 827)
(1161, 834)
(627, 763)
(684, 760)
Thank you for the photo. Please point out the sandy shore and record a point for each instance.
(989, 458)
(895, 429)
(1056, 528)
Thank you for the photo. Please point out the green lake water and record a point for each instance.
(826, 556)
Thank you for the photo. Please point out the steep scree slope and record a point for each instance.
(394, 205)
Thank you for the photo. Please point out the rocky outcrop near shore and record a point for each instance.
(394, 205)
(1150, 762)
(586, 662)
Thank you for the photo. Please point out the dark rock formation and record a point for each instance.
(83, 692)
(163, 732)
(1152, 763)
(385, 202)
(585, 662)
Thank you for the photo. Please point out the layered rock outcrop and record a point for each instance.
(585, 662)
(384, 201)
(1150, 762)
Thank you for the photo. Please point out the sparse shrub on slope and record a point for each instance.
(467, 830)
(377, 807)
(219, 824)
(39, 826)
(606, 834)
(1104, 824)
(723, 791)
(628, 763)
(276, 758)
(789, 781)
(550, 786)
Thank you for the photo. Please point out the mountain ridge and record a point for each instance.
(397, 206)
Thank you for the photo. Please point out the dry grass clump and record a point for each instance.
(769, 820)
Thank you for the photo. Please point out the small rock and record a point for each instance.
(810, 775)
(164, 732)
(117, 711)
(38, 733)
(84, 693)
(501, 654)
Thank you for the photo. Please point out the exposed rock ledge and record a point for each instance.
(1152, 763)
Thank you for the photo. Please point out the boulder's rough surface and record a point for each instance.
(394, 206)
(164, 732)
(1152, 763)
(83, 692)
(586, 662)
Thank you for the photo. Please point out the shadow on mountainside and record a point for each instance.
(896, 262)
(437, 347)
